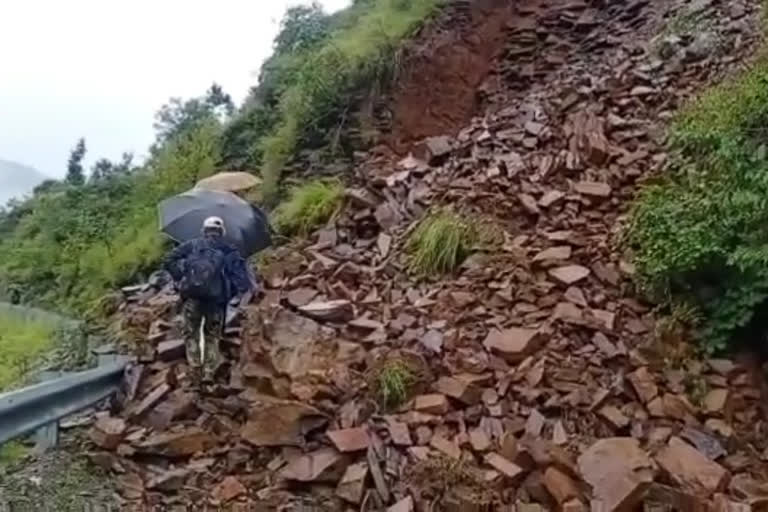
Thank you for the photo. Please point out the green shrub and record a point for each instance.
(22, 343)
(440, 243)
(700, 233)
(359, 53)
(309, 206)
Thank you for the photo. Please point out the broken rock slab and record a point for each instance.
(274, 422)
(619, 472)
(323, 465)
(569, 274)
(349, 439)
(177, 444)
(692, 470)
(513, 344)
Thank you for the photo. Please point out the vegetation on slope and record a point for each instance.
(22, 342)
(440, 243)
(700, 234)
(76, 239)
(321, 64)
(309, 206)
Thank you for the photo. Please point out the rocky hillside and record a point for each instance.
(530, 378)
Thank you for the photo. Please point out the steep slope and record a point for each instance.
(535, 374)
(16, 180)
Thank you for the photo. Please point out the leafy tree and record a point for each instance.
(178, 116)
(302, 26)
(104, 169)
(75, 174)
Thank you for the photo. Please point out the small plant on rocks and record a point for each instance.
(309, 206)
(393, 383)
(440, 243)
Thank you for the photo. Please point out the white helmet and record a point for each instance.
(214, 223)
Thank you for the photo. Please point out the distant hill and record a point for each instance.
(17, 179)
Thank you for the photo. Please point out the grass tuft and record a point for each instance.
(309, 206)
(440, 243)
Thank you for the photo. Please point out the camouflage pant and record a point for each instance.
(211, 318)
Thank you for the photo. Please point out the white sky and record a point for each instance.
(101, 68)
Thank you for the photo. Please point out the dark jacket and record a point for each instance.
(236, 275)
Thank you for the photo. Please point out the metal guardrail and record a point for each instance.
(43, 405)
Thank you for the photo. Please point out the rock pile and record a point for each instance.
(532, 379)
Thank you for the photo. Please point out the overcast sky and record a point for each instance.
(101, 68)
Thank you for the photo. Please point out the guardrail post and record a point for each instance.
(47, 437)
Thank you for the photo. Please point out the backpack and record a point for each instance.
(203, 275)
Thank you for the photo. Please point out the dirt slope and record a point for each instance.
(539, 380)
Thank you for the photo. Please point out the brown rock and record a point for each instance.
(560, 486)
(690, 469)
(724, 367)
(329, 311)
(479, 440)
(590, 188)
(349, 439)
(570, 274)
(351, 488)
(445, 446)
(614, 417)
(643, 384)
(229, 489)
(168, 481)
(431, 404)
(149, 401)
(619, 472)
(178, 404)
(301, 296)
(550, 198)
(275, 422)
(562, 252)
(513, 344)
(574, 505)
(323, 465)
(719, 427)
(438, 147)
(404, 505)
(177, 444)
(504, 466)
(108, 432)
(559, 435)
(170, 350)
(723, 504)
(529, 203)
(677, 407)
(459, 389)
(399, 433)
(715, 403)
(535, 423)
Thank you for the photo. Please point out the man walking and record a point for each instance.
(208, 273)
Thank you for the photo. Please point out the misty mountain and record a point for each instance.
(17, 179)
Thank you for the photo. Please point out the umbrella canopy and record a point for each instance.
(182, 216)
(229, 182)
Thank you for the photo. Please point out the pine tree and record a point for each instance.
(75, 174)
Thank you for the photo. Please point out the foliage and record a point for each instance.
(68, 245)
(320, 65)
(22, 343)
(393, 384)
(309, 206)
(440, 243)
(75, 173)
(700, 234)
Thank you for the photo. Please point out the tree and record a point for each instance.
(179, 116)
(301, 27)
(75, 174)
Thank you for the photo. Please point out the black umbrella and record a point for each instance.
(182, 216)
